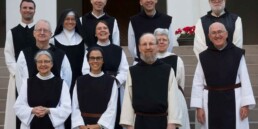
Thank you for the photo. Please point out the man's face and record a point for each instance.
(98, 5)
(217, 6)
(27, 11)
(218, 35)
(148, 5)
(148, 48)
(42, 32)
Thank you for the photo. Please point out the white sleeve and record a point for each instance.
(180, 73)
(116, 34)
(59, 114)
(52, 41)
(127, 111)
(122, 70)
(247, 96)
(22, 108)
(21, 71)
(108, 118)
(77, 119)
(85, 64)
(199, 39)
(170, 37)
(174, 111)
(197, 88)
(9, 53)
(66, 72)
(131, 41)
(238, 33)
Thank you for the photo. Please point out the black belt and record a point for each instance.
(222, 88)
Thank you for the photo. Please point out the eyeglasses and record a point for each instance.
(43, 61)
(42, 31)
(99, 58)
(220, 32)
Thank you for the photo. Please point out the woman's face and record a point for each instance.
(69, 22)
(102, 32)
(95, 61)
(163, 42)
(44, 65)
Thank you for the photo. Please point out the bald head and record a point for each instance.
(218, 35)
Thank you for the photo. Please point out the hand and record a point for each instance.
(171, 126)
(244, 112)
(200, 115)
(40, 111)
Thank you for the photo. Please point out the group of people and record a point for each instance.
(82, 67)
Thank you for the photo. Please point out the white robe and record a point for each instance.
(200, 41)
(10, 61)
(180, 77)
(22, 72)
(174, 111)
(243, 95)
(107, 119)
(57, 115)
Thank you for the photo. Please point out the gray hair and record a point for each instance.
(43, 52)
(45, 21)
(161, 31)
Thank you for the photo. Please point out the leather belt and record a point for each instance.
(151, 114)
(223, 88)
(92, 115)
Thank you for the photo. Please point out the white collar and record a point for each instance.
(29, 25)
(68, 38)
(96, 75)
(98, 16)
(213, 14)
(51, 75)
(103, 43)
(165, 54)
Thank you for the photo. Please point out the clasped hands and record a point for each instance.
(40, 111)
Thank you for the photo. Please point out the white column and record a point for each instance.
(45, 9)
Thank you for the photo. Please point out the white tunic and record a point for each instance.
(174, 111)
(243, 95)
(115, 33)
(200, 41)
(22, 71)
(67, 38)
(57, 115)
(10, 61)
(132, 43)
(180, 77)
(107, 119)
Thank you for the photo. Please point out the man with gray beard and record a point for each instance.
(151, 93)
(218, 13)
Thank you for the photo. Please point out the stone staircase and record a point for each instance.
(186, 53)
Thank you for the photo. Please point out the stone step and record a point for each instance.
(2, 118)
(3, 93)
(1, 52)
(4, 71)
(2, 61)
(4, 81)
(2, 105)
(252, 69)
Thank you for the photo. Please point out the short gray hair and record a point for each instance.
(42, 20)
(161, 31)
(43, 52)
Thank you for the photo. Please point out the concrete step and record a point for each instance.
(2, 118)
(4, 71)
(3, 93)
(2, 61)
(2, 105)
(1, 52)
(4, 81)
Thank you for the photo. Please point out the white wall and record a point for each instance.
(186, 13)
(45, 9)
